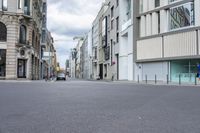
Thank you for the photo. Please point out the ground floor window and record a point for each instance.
(186, 69)
(2, 62)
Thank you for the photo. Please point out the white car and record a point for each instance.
(61, 76)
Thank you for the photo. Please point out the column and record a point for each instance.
(151, 4)
(164, 2)
(143, 26)
(154, 23)
(145, 5)
(163, 21)
(148, 25)
(197, 12)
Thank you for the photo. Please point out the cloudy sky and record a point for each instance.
(69, 18)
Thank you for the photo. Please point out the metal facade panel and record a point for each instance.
(182, 44)
(149, 48)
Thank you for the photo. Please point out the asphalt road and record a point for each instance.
(98, 107)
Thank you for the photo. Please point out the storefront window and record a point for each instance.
(2, 63)
(186, 69)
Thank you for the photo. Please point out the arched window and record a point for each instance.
(3, 32)
(22, 34)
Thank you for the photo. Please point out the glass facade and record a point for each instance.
(186, 69)
(182, 16)
(2, 62)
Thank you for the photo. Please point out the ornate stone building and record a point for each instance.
(20, 32)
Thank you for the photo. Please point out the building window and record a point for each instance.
(5, 5)
(43, 36)
(27, 7)
(117, 37)
(112, 11)
(95, 53)
(44, 21)
(2, 62)
(157, 3)
(107, 53)
(112, 24)
(3, 32)
(182, 16)
(44, 7)
(33, 38)
(128, 9)
(158, 22)
(117, 23)
(23, 34)
(19, 4)
(111, 51)
(117, 2)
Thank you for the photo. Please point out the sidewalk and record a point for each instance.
(160, 83)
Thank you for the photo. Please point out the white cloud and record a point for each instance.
(69, 18)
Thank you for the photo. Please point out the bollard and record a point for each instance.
(138, 79)
(146, 78)
(167, 79)
(179, 79)
(155, 79)
(195, 79)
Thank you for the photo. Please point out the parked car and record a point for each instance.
(61, 76)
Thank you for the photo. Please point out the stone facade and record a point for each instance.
(23, 24)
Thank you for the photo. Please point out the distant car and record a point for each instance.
(61, 76)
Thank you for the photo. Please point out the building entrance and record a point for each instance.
(101, 71)
(21, 68)
(2, 62)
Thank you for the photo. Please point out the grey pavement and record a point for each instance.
(98, 107)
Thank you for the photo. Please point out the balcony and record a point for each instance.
(126, 25)
(23, 43)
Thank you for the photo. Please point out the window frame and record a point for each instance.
(23, 36)
(183, 27)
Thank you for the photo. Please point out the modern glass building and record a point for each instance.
(168, 39)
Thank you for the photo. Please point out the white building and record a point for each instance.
(168, 42)
(126, 55)
(86, 50)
